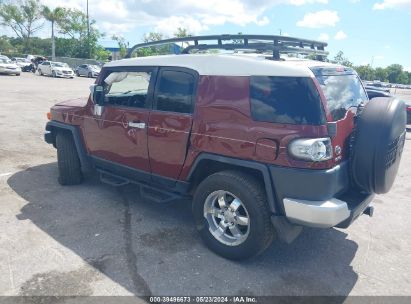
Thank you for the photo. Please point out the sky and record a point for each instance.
(376, 32)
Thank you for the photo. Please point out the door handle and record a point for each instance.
(138, 125)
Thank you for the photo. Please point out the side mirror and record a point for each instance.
(97, 95)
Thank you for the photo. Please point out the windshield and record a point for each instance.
(59, 64)
(3, 60)
(342, 92)
(95, 67)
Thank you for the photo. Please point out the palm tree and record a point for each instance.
(53, 16)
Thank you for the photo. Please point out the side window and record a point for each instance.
(175, 91)
(127, 89)
(287, 100)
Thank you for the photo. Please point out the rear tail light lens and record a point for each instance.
(409, 108)
(311, 149)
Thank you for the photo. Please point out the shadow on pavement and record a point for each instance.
(151, 249)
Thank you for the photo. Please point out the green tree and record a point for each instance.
(181, 33)
(153, 50)
(394, 72)
(121, 44)
(366, 72)
(53, 16)
(403, 78)
(5, 45)
(340, 59)
(381, 74)
(23, 18)
(74, 25)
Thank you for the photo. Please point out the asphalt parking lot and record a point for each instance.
(94, 239)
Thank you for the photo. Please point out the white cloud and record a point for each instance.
(390, 4)
(324, 37)
(302, 2)
(340, 35)
(378, 57)
(319, 19)
(121, 16)
(169, 25)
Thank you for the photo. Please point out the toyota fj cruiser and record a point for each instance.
(263, 145)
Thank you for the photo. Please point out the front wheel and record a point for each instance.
(90, 75)
(54, 74)
(232, 215)
(68, 161)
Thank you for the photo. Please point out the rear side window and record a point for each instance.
(342, 92)
(289, 100)
(175, 92)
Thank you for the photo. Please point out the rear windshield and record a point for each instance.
(342, 92)
(289, 100)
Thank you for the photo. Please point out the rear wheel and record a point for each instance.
(78, 74)
(232, 215)
(90, 75)
(68, 160)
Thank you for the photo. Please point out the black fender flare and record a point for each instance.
(52, 127)
(263, 169)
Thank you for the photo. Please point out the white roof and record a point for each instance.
(226, 65)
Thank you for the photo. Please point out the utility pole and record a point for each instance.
(88, 33)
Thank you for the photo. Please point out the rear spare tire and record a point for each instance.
(378, 143)
(68, 161)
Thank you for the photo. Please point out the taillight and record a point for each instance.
(311, 149)
(409, 108)
(49, 116)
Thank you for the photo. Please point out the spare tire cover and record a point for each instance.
(378, 143)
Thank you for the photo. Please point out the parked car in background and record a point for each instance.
(377, 88)
(373, 93)
(23, 63)
(8, 67)
(408, 109)
(89, 70)
(4, 57)
(55, 69)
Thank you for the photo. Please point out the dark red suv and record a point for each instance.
(264, 145)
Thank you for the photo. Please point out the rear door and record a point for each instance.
(170, 122)
(343, 92)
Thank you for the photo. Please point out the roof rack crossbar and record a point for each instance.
(261, 43)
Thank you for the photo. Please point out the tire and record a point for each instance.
(255, 237)
(78, 74)
(40, 72)
(53, 74)
(90, 75)
(68, 160)
(378, 144)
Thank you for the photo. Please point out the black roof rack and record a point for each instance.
(259, 43)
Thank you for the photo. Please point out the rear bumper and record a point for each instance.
(318, 198)
(324, 214)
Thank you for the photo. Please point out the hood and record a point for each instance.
(73, 103)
